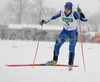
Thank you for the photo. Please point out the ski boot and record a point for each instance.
(70, 67)
(52, 62)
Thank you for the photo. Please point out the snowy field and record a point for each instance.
(22, 52)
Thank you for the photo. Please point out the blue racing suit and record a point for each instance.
(65, 34)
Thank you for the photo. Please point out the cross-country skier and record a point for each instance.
(69, 20)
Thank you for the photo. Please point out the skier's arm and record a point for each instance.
(80, 16)
(57, 15)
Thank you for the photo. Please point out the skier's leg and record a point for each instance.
(71, 53)
(60, 40)
(57, 47)
(73, 40)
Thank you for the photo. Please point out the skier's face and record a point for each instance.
(67, 11)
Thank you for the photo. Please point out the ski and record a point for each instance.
(22, 65)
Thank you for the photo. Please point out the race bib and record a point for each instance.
(67, 19)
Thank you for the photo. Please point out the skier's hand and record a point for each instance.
(79, 10)
(43, 22)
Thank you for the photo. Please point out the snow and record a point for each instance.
(22, 52)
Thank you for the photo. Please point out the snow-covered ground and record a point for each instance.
(22, 52)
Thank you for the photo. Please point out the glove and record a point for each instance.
(43, 22)
(79, 10)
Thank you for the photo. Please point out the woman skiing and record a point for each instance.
(69, 20)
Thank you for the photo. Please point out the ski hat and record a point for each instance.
(68, 6)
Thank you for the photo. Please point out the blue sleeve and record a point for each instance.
(56, 16)
(81, 17)
(76, 15)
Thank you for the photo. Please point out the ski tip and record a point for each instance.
(6, 65)
(10, 65)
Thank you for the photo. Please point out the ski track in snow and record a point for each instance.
(22, 52)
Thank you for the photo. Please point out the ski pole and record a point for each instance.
(37, 44)
(81, 43)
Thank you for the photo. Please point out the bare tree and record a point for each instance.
(28, 11)
(18, 9)
(37, 10)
